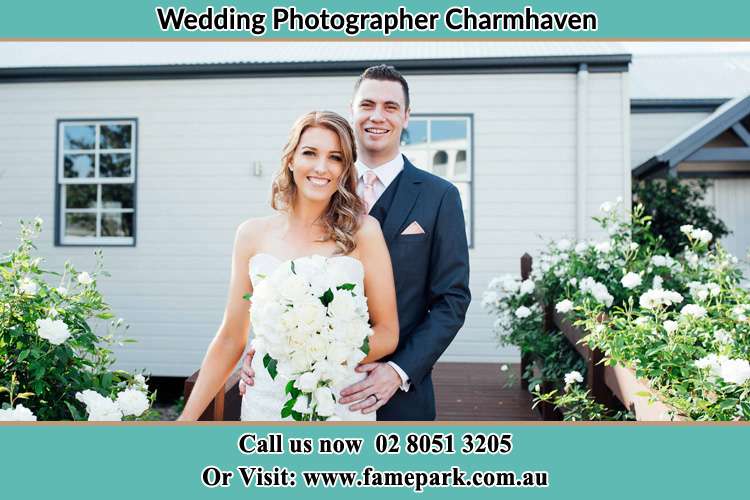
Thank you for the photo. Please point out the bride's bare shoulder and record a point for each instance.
(251, 231)
(369, 230)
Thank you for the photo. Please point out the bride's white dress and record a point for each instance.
(264, 400)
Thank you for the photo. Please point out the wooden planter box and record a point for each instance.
(626, 386)
(618, 381)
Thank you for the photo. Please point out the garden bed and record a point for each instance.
(606, 381)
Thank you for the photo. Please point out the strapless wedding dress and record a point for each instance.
(265, 399)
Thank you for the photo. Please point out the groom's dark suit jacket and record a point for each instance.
(432, 280)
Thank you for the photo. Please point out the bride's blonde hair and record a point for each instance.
(342, 217)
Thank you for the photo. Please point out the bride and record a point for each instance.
(318, 214)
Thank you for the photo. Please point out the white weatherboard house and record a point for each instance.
(119, 147)
(691, 118)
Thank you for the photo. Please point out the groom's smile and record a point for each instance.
(379, 114)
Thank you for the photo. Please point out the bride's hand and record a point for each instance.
(247, 374)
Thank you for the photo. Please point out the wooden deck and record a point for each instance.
(475, 391)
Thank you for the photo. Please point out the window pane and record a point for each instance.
(80, 196)
(80, 224)
(117, 195)
(115, 137)
(415, 134)
(114, 165)
(439, 163)
(460, 167)
(79, 136)
(447, 130)
(117, 224)
(79, 166)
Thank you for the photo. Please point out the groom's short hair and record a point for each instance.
(383, 72)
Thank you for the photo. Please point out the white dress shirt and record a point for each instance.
(385, 174)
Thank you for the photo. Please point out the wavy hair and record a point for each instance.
(342, 217)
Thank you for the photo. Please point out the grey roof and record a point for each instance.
(690, 76)
(697, 136)
(58, 54)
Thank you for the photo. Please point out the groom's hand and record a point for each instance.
(381, 384)
(247, 374)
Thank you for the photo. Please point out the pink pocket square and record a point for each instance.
(413, 228)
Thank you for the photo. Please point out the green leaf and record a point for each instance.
(292, 266)
(366, 346)
(3, 389)
(644, 394)
(285, 412)
(346, 286)
(728, 404)
(25, 395)
(73, 411)
(289, 387)
(270, 365)
(327, 297)
(106, 380)
(23, 355)
(247, 296)
(105, 315)
(297, 416)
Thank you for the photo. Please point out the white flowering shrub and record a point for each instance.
(575, 402)
(681, 322)
(519, 322)
(691, 342)
(50, 356)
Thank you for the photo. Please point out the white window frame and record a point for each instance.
(468, 177)
(62, 181)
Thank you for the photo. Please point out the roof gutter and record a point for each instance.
(544, 64)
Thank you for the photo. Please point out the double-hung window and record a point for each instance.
(442, 144)
(96, 169)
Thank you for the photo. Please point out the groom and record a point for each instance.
(423, 224)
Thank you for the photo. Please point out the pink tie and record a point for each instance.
(369, 191)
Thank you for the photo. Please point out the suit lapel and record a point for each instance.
(404, 200)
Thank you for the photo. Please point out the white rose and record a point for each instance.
(490, 299)
(581, 247)
(631, 280)
(641, 320)
(19, 414)
(311, 315)
(723, 337)
(527, 286)
(300, 362)
(702, 235)
(338, 352)
(670, 326)
(573, 377)
(84, 278)
(342, 307)
(53, 330)
(132, 402)
(711, 361)
(563, 245)
(503, 368)
(325, 404)
(686, 229)
(693, 310)
(564, 306)
(633, 246)
(308, 382)
(573, 281)
(294, 289)
(735, 371)
(99, 408)
(28, 287)
(523, 312)
(606, 207)
(302, 405)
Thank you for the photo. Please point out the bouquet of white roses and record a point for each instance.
(313, 327)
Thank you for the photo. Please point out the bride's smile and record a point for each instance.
(317, 164)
